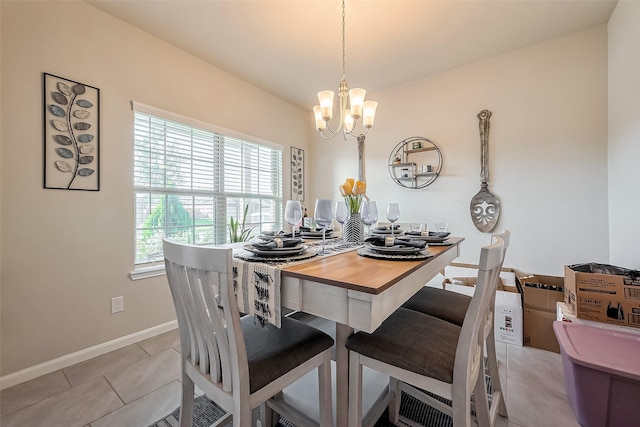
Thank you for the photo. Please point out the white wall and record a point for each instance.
(624, 134)
(65, 254)
(547, 150)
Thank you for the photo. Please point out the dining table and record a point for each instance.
(357, 293)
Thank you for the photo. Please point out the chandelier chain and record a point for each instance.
(344, 74)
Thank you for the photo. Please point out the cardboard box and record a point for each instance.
(540, 297)
(508, 315)
(564, 314)
(471, 281)
(507, 320)
(607, 298)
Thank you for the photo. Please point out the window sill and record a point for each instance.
(147, 272)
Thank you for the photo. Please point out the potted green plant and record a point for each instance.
(237, 231)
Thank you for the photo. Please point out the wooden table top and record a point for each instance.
(352, 271)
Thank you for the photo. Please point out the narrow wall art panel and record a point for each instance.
(297, 174)
(71, 113)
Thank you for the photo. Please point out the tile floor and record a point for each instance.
(139, 384)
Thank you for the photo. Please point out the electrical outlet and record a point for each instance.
(117, 304)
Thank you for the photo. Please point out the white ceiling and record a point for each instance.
(293, 48)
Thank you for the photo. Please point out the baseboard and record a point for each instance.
(80, 356)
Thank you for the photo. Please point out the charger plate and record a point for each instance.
(276, 252)
(248, 256)
(423, 254)
(445, 243)
(395, 250)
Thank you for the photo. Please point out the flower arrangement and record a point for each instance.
(353, 192)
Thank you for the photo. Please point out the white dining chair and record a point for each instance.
(452, 307)
(421, 352)
(239, 365)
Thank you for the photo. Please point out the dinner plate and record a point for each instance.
(393, 249)
(276, 251)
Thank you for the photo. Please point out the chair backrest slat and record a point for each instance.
(200, 279)
(469, 353)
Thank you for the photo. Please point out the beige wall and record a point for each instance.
(67, 253)
(624, 134)
(548, 150)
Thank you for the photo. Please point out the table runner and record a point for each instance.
(257, 284)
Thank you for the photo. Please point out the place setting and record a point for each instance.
(394, 248)
(316, 233)
(433, 238)
(276, 248)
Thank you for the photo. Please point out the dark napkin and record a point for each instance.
(273, 234)
(315, 230)
(379, 241)
(385, 228)
(431, 233)
(273, 244)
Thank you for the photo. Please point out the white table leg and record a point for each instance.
(342, 374)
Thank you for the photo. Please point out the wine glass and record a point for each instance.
(293, 214)
(369, 214)
(393, 214)
(341, 213)
(323, 217)
(442, 227)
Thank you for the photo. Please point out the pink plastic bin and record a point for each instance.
(601, 373)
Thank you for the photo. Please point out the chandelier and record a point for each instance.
(352, 105)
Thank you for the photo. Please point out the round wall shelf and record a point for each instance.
(415, 162)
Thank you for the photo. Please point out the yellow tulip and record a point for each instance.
(346, 189)
(349, 182)
(360, 187)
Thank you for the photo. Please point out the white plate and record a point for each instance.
(393, 249)
(276, 251)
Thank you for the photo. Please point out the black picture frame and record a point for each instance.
(71, 128)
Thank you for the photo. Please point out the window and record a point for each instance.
(190, 178)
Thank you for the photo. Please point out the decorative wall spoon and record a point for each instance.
(485, 206)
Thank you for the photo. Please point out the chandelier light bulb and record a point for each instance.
(369, 113)
(321, 124)
(348, 121)
(356, 99)
(325, 98)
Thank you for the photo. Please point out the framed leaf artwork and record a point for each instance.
(71, 123)
(297, 174)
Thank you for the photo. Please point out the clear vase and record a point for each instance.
(353, 229)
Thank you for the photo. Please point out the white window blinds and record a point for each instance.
(190, 181)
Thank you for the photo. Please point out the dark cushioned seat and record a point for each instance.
(446, 305)
(272, 352)
(413, 341)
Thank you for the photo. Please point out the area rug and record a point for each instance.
(206, 412)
